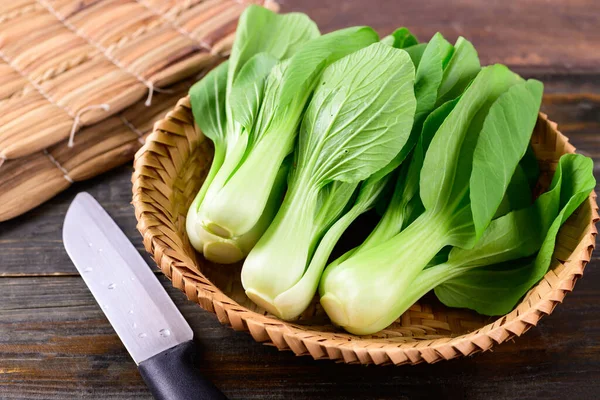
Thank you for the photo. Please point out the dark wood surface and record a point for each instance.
(55, 343)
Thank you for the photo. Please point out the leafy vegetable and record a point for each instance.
(486, 278)
(262, 36)
(208, 105)
(460, 70)
(520, 103)
(405, 204)
(400, 39)
(247, 92)
(263, 31)
(346, 123)
(416, 53)
(264, 102)
(429, 78)
(359, 118)
(353, 292)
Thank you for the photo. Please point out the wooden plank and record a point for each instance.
(56, 344)
(534, 35)
(32, 243)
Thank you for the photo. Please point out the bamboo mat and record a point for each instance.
(29, 181)
(82, 82)
(71, 63)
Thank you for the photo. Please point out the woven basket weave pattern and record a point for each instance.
(169, 170)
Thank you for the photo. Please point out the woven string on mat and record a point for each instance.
(31, 180)
(69, 64)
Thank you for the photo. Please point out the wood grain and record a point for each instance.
(56, 344)
(532, 35)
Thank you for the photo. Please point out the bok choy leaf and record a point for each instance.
(487, 278)
(358, 120)
(275, 63)
(490, 107)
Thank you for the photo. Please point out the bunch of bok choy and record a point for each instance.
(310, 131)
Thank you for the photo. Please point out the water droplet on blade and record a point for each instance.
(165, 332)
(88, 269)
(130, 311)
(134, 325)
(90, 244)
(112, 286)
(142, 335)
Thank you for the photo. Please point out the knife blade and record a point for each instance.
(143, 315)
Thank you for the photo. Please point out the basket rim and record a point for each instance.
(550, 291)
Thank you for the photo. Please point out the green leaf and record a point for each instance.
(360, 115)
(292, 81)
(429, 76)
(273, 113)
(577, 183)
(427, 79)
(416, 53)
(412, 204)
(489, 278)
(405, 204)
(444, 180)
(207, 98)
(460, 71)
(262, 31)
(308, 63)
(248, 89)
(492, 290)
(400, 39)
(514, 235)
(501, 145)
(518, 193)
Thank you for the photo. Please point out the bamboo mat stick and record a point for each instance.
(29, 181)
(69, 64)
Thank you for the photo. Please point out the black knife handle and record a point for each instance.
(173, 375)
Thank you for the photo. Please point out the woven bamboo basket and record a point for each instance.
(169, 169)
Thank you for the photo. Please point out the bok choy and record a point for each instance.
(257, 101)
(462, 183)
(358, 120)
(310, 131)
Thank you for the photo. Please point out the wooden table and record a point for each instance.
(55, 343)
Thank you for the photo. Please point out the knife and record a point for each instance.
(147, 321)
